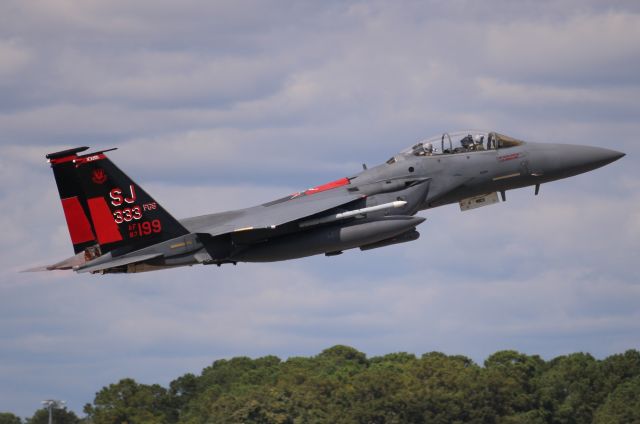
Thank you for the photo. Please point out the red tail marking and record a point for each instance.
(106, 227)
(58, 161)
(77, 221)
(98, 176)
(90, 158)
(328, 186)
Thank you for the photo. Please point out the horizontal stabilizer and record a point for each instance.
(66, 153)
(65, 264)
(119, 262)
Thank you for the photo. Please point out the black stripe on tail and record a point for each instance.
(74, 202)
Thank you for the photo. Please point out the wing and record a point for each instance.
(273, 214)
(65, 264)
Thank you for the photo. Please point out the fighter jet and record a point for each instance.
(117, 227)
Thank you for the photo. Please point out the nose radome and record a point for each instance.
(595, 157)
(614, 155)
(556, 161)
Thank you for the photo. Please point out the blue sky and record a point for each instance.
(219, 105)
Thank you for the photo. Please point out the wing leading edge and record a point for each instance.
(271, 216)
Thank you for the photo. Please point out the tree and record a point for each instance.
(130, 402)
(621, 406)
(60, 416)
(9, 418)
(181, 391)
(447, 390)
(342, 385)
(619, 368)
(340, 354)
(507, 379)
(378, 394)
(570, 389)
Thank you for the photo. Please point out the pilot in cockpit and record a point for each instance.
(467, 142)
(478, 142)
(423, 149)
(428, 149)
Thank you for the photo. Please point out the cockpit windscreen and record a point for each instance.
(458, 142)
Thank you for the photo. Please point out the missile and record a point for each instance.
(349, 214)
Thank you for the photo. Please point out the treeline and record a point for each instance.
(342, 385)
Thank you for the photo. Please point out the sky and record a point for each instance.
(220, 105)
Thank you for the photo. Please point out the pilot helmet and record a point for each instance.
(428, 147)
(478, 139)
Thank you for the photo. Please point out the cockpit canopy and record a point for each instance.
(458, 142)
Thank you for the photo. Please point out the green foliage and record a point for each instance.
(622, 405)
(342, 385)
(60, 416)
(9, 418)
(508, 381)
(571, 388)
(340, 355)
(130, 402)
(618, 368)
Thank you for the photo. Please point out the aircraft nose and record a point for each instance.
(564, 160)
(591, 157)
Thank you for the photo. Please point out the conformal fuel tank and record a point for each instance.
(332, 238)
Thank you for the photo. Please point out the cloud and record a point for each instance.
(596, 49)
(15, 57)
(617, 101)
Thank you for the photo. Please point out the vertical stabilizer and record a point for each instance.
(125, 217)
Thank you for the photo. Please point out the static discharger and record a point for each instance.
(349, 214)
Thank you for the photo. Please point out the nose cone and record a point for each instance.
(554, 161)
(589, 157)
(564, 160)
